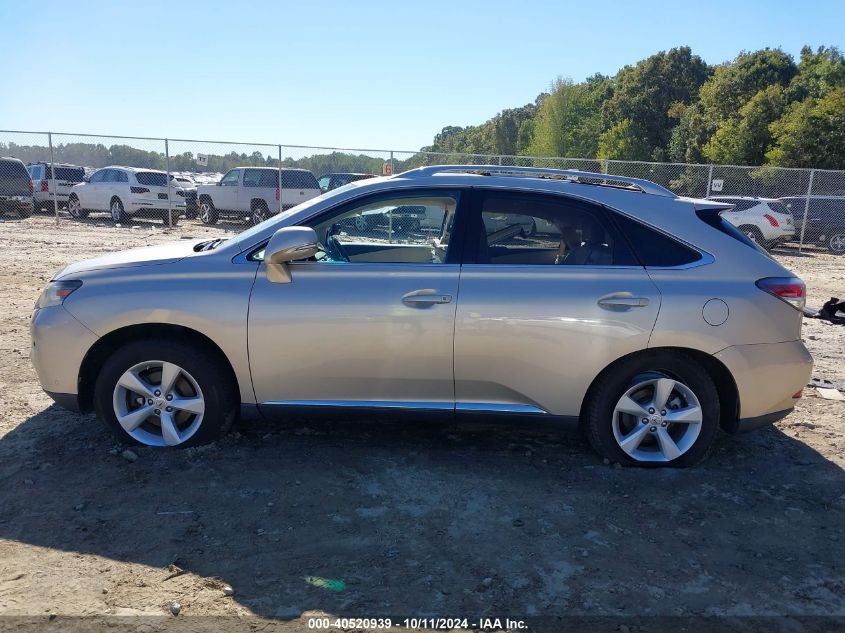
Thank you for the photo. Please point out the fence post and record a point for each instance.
(806, 210)
(169, 185)
(709, 181)
(53, 176)
(500, 160)
(280, 178)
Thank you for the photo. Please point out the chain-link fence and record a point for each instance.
(125, 181)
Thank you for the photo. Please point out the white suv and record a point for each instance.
(765, 221)
(127, 192)
(253, 193)
(45, 187)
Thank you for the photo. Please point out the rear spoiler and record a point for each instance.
(712, 205)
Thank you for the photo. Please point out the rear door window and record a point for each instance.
(70, 174)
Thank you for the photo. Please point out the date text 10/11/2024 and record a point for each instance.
(444, 624)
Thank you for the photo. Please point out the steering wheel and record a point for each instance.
(335, 250)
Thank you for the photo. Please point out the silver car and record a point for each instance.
(642, 316)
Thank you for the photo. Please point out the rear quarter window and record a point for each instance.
(151, 179)
(654, 248)
(299, 180)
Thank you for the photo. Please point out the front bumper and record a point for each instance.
(767, 375)
(59, 344)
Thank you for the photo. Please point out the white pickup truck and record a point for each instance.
(253, 193)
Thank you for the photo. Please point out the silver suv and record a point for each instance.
(646, 318)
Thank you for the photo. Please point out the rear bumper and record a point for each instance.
(767, 375)
(15, 203)
(743, 425)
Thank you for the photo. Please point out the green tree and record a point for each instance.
(745, 138)
(811, 133)
(818, 73)
(568, 121)
(624, 141)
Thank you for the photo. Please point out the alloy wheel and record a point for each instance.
(837, 243)
(116, 212)
(74, 207)
(658, 419)
(158, 403)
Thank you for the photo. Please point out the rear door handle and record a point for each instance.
(425, 297)
(622, 301)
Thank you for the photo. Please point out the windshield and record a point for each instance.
(258, 229)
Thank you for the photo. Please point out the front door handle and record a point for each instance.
(424, 298)
(622, 301)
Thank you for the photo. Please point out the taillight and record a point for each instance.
(789, 289)
(45, 186)
(771, 220)
(277, 193)
(139, 190)
(31, 190)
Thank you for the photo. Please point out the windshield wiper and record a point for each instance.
(208, 245)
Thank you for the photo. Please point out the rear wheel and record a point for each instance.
(207, 212)
(174, 218)
(836, 243)
(260, 212)
(74, 207)
(164, 392)
(659, 409)
(754, 234)
(118, 215)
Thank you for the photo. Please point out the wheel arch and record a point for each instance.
(721, 375)
(107, 344)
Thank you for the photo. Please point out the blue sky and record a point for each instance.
(349, 74)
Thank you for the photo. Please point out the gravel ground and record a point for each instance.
(385, 518)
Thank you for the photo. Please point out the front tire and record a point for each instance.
(166, 393)
(207, 212)
(260, 212)
(657, 409)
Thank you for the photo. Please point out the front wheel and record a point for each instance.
(207, 212)
(659, 409)
(164, 392)
(259, 212)
(836, 243)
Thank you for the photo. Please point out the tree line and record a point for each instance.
(761, 108)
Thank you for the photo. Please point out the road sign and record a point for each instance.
(387, 169)
(202, 159)
(717, 184)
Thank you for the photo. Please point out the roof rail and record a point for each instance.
(646, 186)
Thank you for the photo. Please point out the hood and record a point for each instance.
(146, 256)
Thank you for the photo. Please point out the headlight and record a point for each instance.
(56, 292)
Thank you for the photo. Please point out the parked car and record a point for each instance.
(333, 181)
(765, 221)
(825, 220)
(186, 188)
(15, 188)
(45, 185)
(650, 321)
(253, 193)
(127, 192)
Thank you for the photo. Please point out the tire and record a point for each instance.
(74, 207)
(754, 234)
(207, 213)
(174, 218)
(259, 211)
(118, 215)
(836, 243)
(203, 384)
(638, 379)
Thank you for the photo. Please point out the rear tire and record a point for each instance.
(667, 438)
(74, 208)
(207, 212)
(754, 234)
(202, 378)
(836, 243)
(118, 215)
(260, 212)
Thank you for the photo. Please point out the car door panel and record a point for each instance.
(342, 333)
(533, 335)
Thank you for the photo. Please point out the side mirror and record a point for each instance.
(288, 244)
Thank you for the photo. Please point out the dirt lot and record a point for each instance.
(378, 519)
